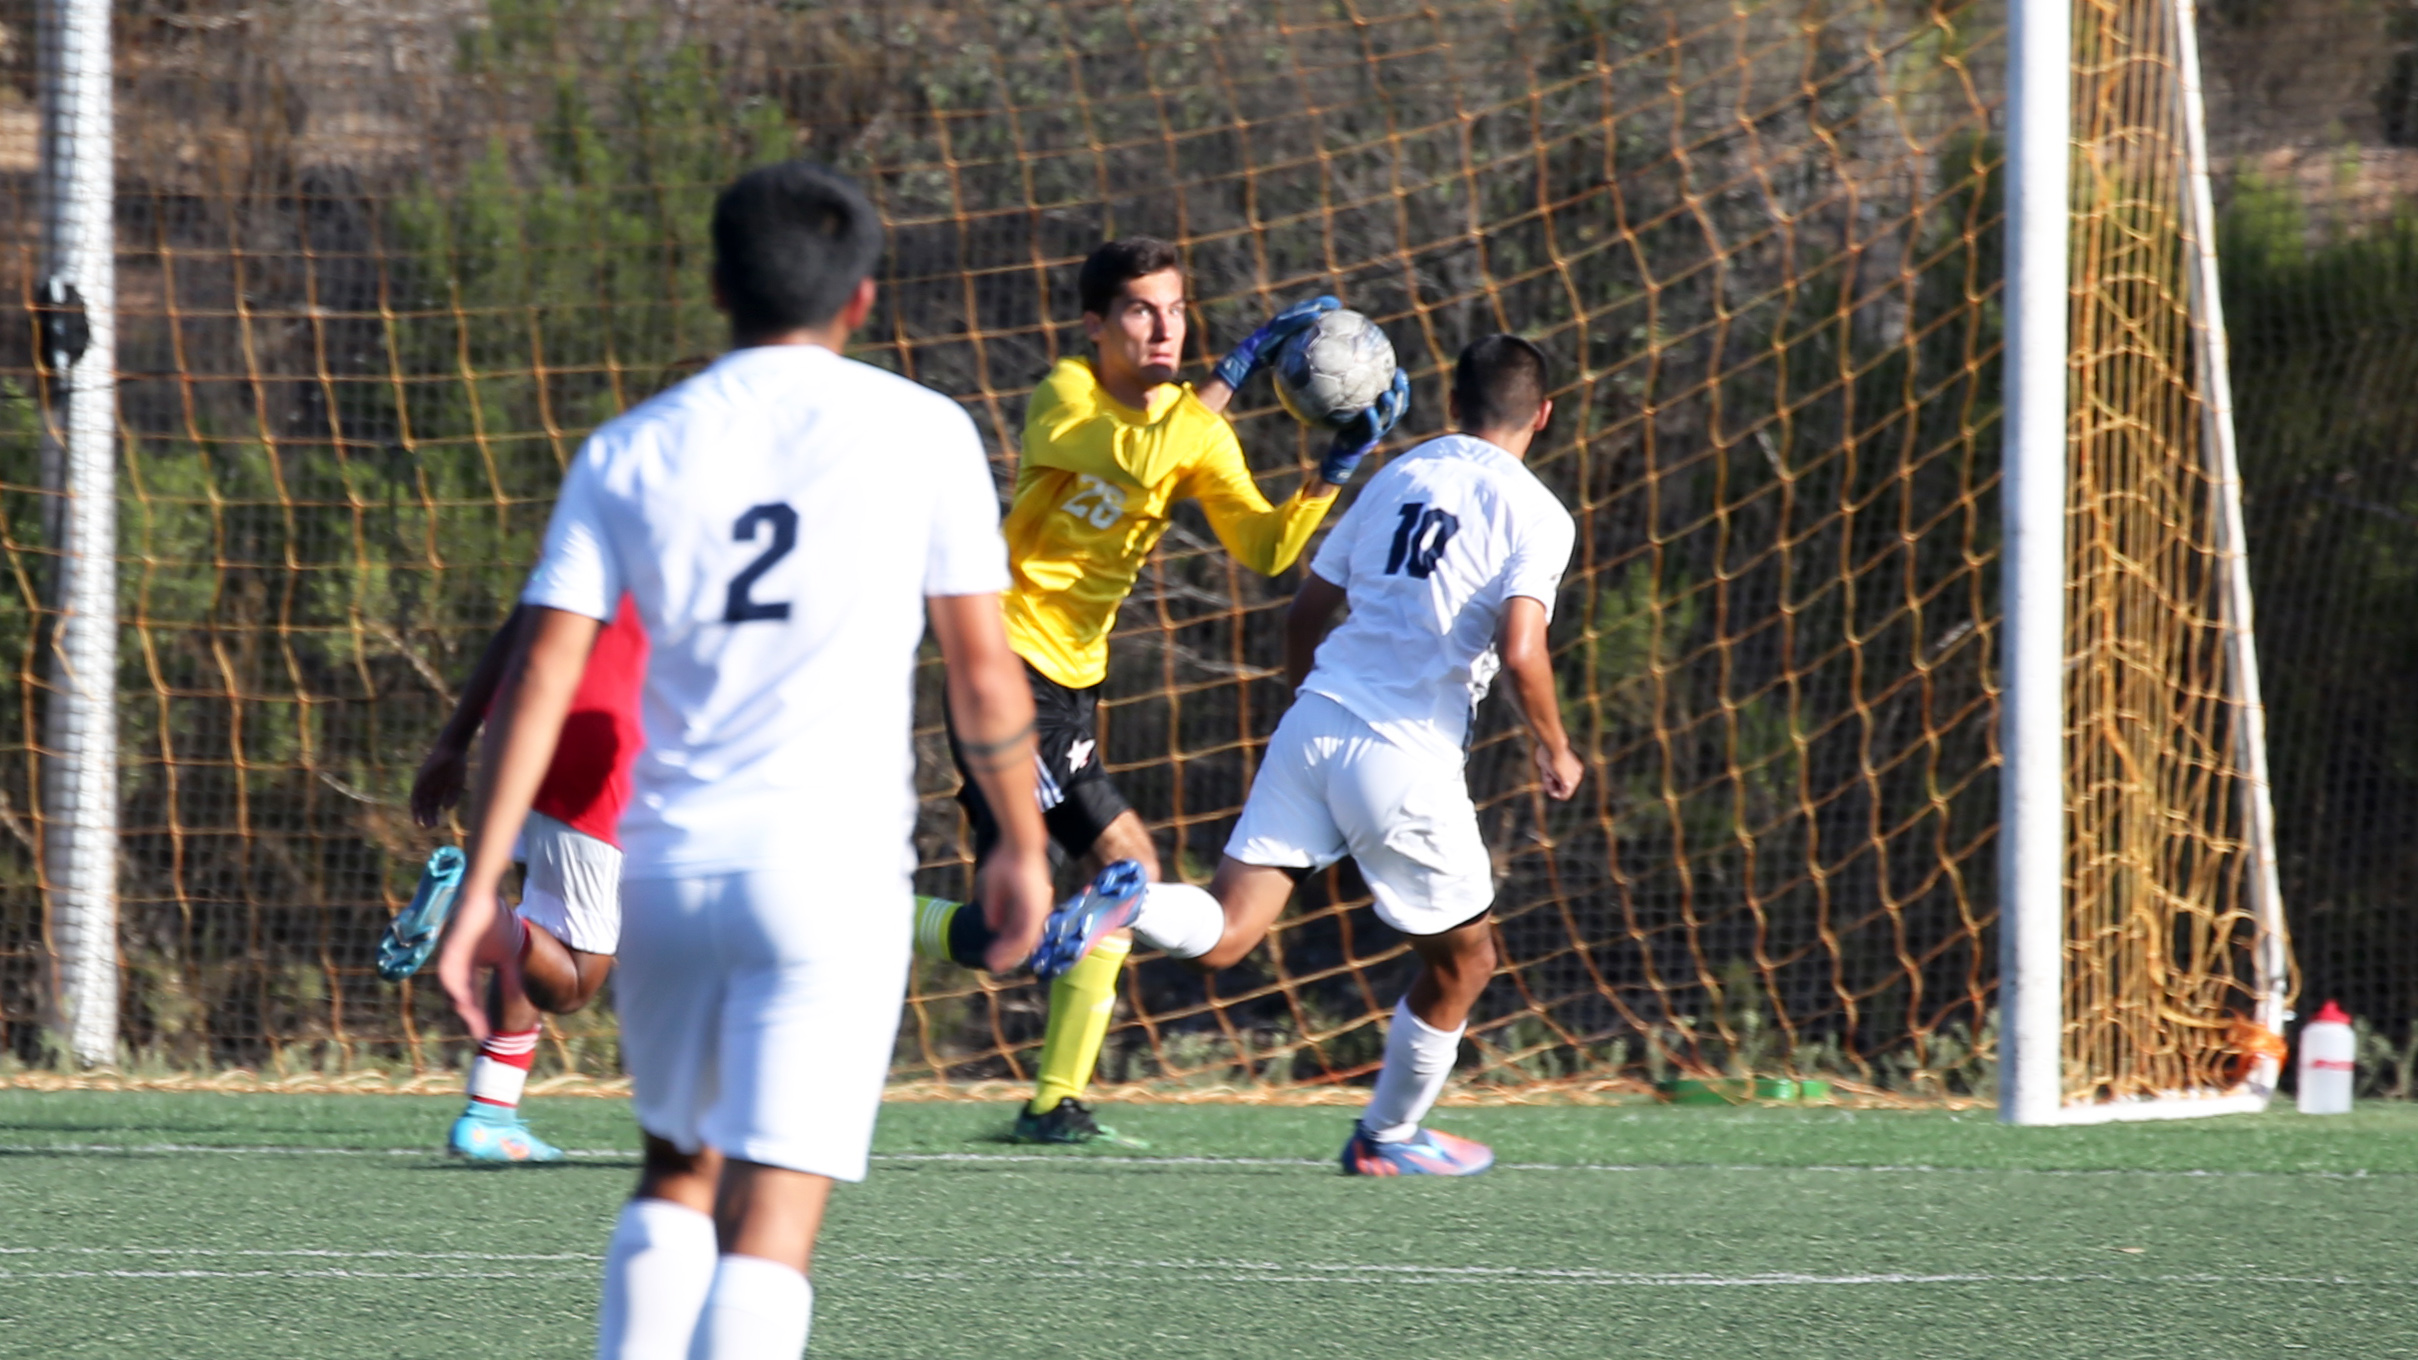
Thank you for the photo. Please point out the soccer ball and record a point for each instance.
(1334, 368)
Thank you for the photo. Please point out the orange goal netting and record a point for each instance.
(381, 268)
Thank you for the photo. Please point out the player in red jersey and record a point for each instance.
(553, 952)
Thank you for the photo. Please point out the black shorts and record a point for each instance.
(1077, 799)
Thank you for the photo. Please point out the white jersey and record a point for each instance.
(1431, 552)
(778, 520)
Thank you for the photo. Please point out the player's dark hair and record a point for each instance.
(1499, 383)
(791, 243)
(1118, 263)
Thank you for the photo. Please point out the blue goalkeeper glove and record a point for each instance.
(1363, 432)
(1260, 345)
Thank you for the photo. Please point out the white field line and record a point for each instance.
(480, 1266)
(335, 1274)
(1098, 1159)
(1080, 1158)
(1259, 1272)
(1077, 1268)
(263, 1150)
(473, 1265)
(316, 1253)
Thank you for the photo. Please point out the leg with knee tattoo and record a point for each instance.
(1124, 838)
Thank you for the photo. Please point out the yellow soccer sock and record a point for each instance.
(932, 926)
(1080, 1003)
(953, 932)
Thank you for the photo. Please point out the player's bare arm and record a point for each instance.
(1529, 663)
(520, 746)
(992, 707)
(1314, 607)
(445, 773)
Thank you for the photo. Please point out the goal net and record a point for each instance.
(2175, 977)
(381, 268)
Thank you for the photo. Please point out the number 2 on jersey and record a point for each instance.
(1419, 540)
(784, 521)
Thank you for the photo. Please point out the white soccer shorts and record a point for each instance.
(571, 885)
(758, 1011)
(1329, 786)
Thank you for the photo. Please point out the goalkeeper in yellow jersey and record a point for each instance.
(1111, 442)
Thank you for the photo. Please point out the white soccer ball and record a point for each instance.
(1333, 369)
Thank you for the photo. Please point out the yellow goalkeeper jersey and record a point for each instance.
(1092, 495)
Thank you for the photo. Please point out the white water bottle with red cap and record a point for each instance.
(2328, 1055)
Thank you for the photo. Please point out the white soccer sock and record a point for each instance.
(758, 1310)
(1418, 1058)
(657, 1271)
(501, 1069)
(1181, 919)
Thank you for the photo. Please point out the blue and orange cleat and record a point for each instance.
(412, 936)
(495, 1133)
(1425, 1153)
(1090, 916)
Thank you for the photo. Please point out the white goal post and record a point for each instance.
(79, 786)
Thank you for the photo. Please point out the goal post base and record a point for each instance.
(2167, 1107)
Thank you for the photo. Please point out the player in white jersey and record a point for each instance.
(784, 523)
(1450, 561)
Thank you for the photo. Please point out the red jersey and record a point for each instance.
(589, 782)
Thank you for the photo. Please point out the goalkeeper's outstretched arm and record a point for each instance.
(1357, 436)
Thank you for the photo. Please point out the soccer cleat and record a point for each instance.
(495, 1133)
(1106, 907)
(412, 936)
(1425, 1153)
(1069, 1121)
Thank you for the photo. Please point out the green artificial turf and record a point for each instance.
(191, 1225)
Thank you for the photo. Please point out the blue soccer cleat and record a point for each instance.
(412, 936)
(495, 1133)
(1106, 907)
(1425, 1153)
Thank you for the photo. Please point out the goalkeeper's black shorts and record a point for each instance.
(1078, 800)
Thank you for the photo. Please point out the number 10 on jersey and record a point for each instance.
(1419, 540)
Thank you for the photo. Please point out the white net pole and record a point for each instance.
(2225, 469)
(2031, 831)
(79, 771)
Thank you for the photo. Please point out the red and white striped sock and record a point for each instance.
(501, 1069)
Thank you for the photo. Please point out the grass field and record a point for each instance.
(257, 1226)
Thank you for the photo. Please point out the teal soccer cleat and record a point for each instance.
(1425, 1153)
(1106, 907)
(495, 1133)
(412, 936)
